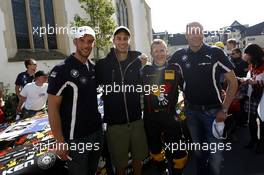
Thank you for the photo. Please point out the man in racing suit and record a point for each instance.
(164, 127)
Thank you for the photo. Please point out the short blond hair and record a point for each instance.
(157, 42)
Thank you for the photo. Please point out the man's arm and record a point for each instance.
(230, 78)
(54, 103)
(144, 59)
(230, 94)
(18, 89)
(22, 99)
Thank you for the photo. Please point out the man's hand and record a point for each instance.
(223, 94)
(144, 59)
(221, 116)
(20, 103)
(18, 109)
(231, 90)
(61, 149)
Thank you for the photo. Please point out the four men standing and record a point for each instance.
(73, 109)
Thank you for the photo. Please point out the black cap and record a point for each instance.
(41, 73)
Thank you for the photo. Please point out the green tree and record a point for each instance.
(100, 19)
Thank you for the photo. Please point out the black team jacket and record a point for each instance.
(121, 106)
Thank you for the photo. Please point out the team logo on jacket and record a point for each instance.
(209, 56)
(162, 98)
(184, 58)
(74, 73)
(169, 74)
(162, 95)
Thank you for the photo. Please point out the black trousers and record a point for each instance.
(164, 132)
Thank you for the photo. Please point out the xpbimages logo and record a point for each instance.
(116, 88)
(50, 30)
(212, 147)
(191, 30)
(80, 147)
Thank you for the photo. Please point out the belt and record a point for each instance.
(203, 107)
(159, 110)
(34, 110)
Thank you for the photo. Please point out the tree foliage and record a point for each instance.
(100, 18)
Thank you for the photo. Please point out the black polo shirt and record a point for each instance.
(75, 82)
(23, 78)
(201, 73)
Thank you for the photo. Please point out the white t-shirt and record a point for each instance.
(36, 96)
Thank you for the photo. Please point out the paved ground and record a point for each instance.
(238, 161)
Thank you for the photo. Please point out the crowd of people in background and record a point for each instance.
(248, 68)
(216, 81)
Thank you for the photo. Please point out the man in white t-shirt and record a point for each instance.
(34, 95)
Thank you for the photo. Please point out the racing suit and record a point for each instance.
(164, 127)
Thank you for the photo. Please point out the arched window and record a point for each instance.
(122, 17)
(29, 17)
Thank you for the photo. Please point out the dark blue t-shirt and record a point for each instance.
(23, 78)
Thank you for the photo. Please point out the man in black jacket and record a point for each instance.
(119, 74)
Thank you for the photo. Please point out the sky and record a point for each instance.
(173, 15)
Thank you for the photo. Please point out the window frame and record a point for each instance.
(122, 13)
(30, 27)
